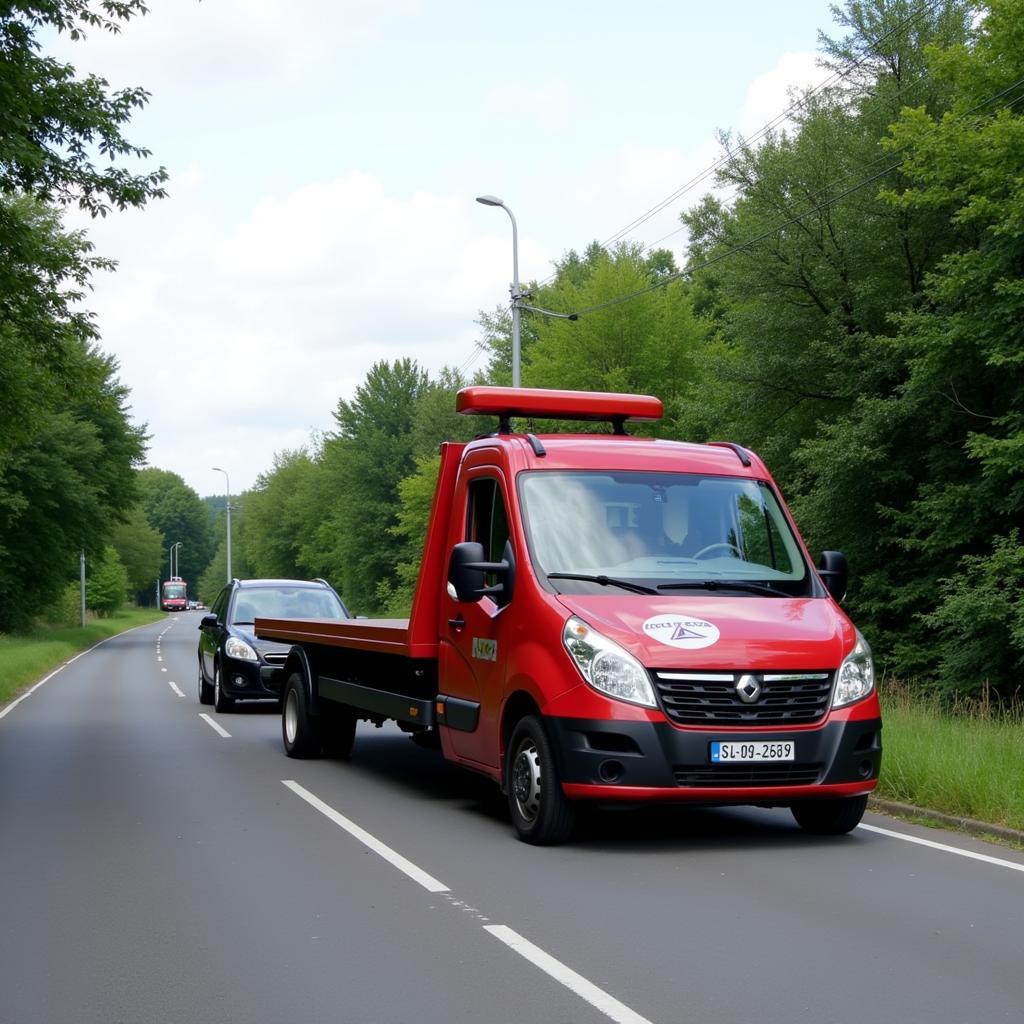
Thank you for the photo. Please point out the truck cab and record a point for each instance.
(616, 619)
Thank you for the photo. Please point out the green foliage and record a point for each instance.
(52, 123)
(67, 447)
(174, 508)
(141, 550)
(106, 584)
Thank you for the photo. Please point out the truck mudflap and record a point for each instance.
(619, 760)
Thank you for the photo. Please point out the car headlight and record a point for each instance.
(236, 648)
(606, 666)
(856, 678)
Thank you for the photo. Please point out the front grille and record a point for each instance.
(746, 774)
(711, 698)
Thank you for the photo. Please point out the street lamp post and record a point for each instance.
(174, 559)
(516, 296)
(227, 505)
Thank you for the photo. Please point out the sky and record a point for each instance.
(324, 156)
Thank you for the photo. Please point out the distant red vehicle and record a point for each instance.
(174, 595)
(603, 618)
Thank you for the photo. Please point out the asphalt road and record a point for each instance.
(153, 869)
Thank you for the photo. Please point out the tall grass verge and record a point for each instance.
(964, 759)
(24, 659)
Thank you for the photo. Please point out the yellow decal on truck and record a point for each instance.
(484, 649)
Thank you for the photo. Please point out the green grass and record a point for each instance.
(24, 659)
(967, 760)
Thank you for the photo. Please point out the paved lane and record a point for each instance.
(156, 870)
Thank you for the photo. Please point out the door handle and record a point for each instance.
(457, 623)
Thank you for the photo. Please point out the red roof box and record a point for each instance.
(556, 405)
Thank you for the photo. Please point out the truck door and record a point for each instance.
(474, 636)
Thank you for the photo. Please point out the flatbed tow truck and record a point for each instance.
(607, 619)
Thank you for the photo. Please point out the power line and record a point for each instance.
(762, 132)
(668, 279)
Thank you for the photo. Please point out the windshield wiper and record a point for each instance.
(745, 585)
(605, 581)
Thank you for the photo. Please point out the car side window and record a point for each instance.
(487, 523)
(220, 606)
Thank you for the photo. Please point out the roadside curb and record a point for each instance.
(976, 828)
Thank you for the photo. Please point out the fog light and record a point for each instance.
(240, 681)
(610, 771)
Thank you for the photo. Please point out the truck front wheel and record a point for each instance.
(830, 817)
(541, 814)
(301, 734)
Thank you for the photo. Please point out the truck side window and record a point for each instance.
(488, 522)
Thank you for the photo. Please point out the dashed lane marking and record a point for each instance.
(215, 726)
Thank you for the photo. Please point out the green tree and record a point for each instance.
(140, 549)
(174, 508)
(106, 584)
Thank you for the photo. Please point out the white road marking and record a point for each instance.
(214, 725)
(28, 693)
(174, 686)
(158, 658)
(598, 998)
(395, 859)
(931, 844)
(163, 670)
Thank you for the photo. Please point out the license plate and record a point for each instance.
(755, 750)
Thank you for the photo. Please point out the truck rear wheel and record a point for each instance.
(541, 814)
(301, 733)
(830, 817)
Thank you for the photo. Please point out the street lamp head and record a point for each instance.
(217, 469)
(490, 200)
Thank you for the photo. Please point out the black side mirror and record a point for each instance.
(467, 569)
(207, 620)
(834, 573)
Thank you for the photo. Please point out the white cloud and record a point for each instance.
(203, 44)
(237, 340)
(768, 95)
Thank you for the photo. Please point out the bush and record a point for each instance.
(106, 584)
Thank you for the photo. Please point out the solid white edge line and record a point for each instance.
(931, 844)
(598, 998)
(394, 858)
(174, 686)
(214, 725)
(28, 693)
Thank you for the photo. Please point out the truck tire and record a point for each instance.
(541, 814)
(205, 689)
(222, 703)
(830, 817)
(301, 733)
(338, 729)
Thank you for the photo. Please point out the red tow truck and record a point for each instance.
(609, 619)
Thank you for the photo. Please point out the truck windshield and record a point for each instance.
(660, 530)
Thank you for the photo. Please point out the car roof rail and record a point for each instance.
(741, 453)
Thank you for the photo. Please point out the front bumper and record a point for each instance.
(630, 760)
(251, 680)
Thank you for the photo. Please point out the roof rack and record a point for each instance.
(741, 453)
(542, 403)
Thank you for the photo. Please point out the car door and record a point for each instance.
(209, 636)
(475, 635)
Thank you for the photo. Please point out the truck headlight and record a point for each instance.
(856, 677)
(236, 648)
(606, 666)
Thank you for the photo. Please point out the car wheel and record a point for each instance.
(830, 817)
(221, 701)
(205, 689)
(541, 814)
(301, 733)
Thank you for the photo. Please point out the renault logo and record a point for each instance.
(748, 689)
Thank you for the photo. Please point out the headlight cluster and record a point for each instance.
(236, 648)
(606, 666)
(856, 677)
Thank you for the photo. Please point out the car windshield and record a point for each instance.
(667, 532)
(286, 603)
